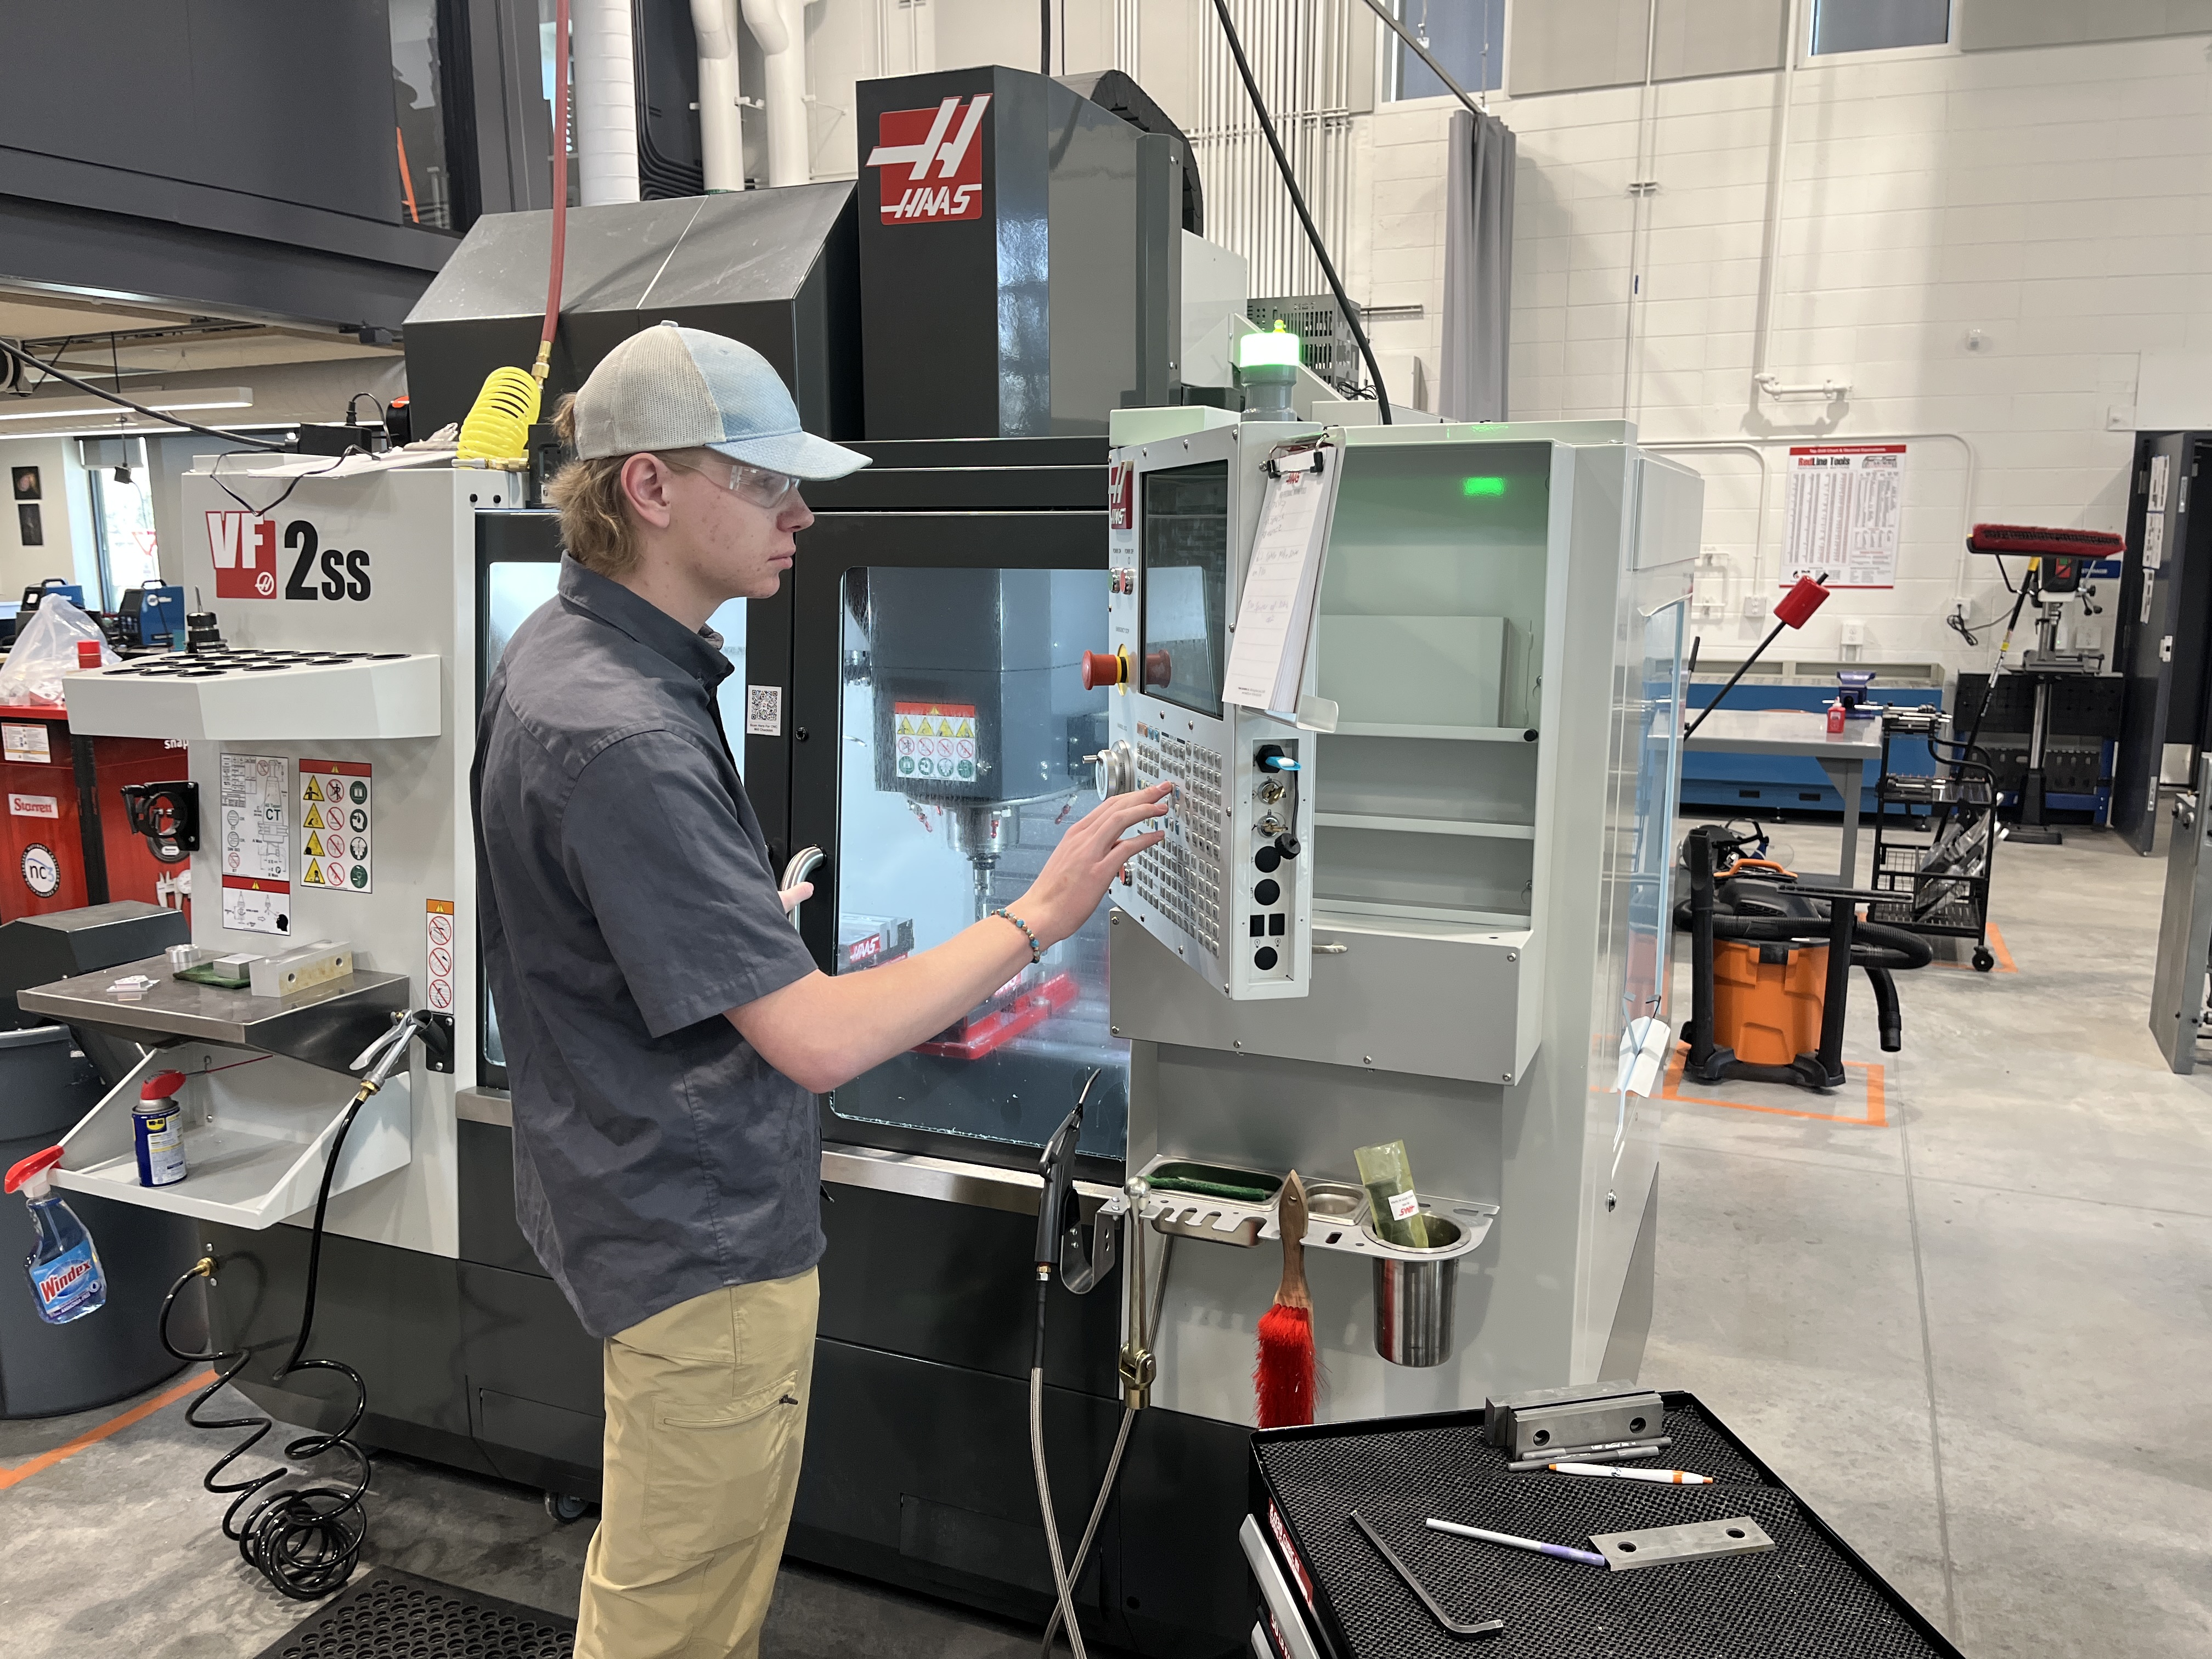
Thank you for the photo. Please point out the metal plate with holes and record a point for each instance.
(1656, 1547)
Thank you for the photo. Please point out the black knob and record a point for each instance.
(1268, 892)
(1264, 957)
(1268, 859)
(1287, 845)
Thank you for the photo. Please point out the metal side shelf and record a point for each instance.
(257, 1130)
(325, 1026)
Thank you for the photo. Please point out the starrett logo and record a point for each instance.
(243, 547)
(929, 162)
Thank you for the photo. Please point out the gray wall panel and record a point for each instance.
(1990, 24)
(263, 97)
(1560, 46)
(1719, 37)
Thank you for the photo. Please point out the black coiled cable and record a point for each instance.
(305, 1540)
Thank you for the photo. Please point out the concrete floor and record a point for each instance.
(1974, 1335)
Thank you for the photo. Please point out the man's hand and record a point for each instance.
(1089, 856)
(795, 895)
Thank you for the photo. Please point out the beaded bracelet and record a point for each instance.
(1037, 951)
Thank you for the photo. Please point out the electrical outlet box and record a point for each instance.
(1851, 633)
(1754, 605)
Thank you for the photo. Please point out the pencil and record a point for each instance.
(1591, 1557)
(1675, 1477)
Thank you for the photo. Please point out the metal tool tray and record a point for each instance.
(326, 1025)
(1811, 1597)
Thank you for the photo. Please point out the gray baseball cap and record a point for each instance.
(672, 387)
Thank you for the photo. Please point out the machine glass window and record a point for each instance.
(1875, 25)
(512, 588)
(1185, 589)
(1468, 37)
(965, 726)
(418, 127)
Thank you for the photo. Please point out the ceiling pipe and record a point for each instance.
(722, 135)
(606, 71)
(777, 27)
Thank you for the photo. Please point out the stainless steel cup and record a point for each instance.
(1415, 1292)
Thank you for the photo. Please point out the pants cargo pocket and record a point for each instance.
(717, 1480)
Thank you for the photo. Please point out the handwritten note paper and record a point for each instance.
(1275, 611)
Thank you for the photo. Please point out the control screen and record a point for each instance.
(1185, 549)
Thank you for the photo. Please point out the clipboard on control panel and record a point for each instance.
(1279, 597)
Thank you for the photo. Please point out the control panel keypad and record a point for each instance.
(1181, 878)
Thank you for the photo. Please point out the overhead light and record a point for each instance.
(213, 396)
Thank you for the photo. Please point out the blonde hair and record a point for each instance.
(595, 524)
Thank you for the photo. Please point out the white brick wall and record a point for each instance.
(2054, 198)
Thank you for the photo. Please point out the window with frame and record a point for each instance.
(123, 522)
(1468, 37)
(1878, 25)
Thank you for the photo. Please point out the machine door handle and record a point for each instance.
(803, 863)
(1331, 949)
(1290, 1622)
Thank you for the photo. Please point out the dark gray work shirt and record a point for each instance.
(626, 900)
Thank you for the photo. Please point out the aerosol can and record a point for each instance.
(67, 1280)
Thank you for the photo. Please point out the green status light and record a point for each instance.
(1482, 486)
(1276, 348)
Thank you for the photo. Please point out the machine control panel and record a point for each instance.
(1231, 888)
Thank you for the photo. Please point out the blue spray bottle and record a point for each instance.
(66, 1278)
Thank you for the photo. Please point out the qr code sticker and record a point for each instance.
(763, 711)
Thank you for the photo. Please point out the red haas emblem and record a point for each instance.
(930, 163)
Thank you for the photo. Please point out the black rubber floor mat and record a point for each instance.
(389, 1614)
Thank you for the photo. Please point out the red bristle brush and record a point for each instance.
(1285, 1376)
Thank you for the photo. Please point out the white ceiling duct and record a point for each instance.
(605, 75)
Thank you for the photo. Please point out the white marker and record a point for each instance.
(1615, 1471)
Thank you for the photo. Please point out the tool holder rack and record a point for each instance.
(1228, 1221)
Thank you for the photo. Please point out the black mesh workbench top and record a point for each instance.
(1810, 1597)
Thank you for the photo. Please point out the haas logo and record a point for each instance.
(243, 546)
(929, 164)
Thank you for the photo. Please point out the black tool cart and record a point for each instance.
(1328, 1589)
(1935, 837)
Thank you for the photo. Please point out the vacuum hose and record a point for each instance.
(1121, 1437)
(1062, 1589)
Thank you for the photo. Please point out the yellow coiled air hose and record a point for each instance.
(497, 430)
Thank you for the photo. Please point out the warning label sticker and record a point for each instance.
(935, 740)
(254, 904)
(438, 959)
(26, 745)
(257, 820)
(338, 818)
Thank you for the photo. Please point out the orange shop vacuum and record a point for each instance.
(1769, 967)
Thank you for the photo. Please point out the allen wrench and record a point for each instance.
(1486, 1627)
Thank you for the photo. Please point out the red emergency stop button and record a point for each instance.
(1100, 669)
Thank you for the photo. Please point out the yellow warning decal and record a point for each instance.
(313, 791)
(315, 848)
(312, 821)
(314, 877)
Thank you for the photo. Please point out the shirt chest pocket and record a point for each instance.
(715, 1478)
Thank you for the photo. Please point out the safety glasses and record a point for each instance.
(766, 491)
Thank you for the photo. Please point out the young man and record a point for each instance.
(666, 1031)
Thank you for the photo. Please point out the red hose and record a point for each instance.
(560, 187)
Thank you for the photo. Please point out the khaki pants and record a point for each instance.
(706, 1418)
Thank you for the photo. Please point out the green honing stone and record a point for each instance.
(1211, 1189)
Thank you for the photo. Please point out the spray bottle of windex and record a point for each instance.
(66, 1278)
